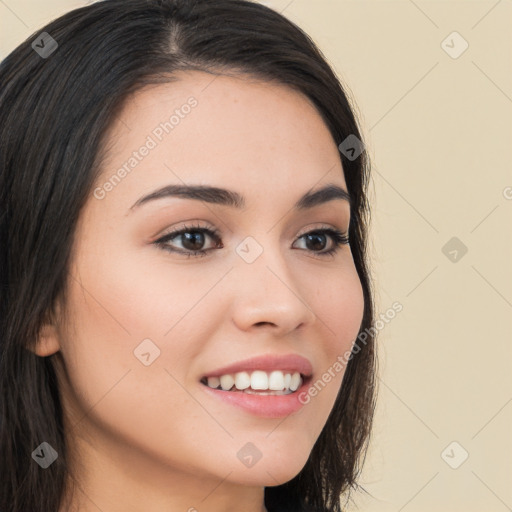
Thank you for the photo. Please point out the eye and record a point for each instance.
(193, 239)
(316, 239)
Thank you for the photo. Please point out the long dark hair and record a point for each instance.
(55, 110)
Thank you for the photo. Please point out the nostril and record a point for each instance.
(264, 323)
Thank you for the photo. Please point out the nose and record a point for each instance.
(268, 295)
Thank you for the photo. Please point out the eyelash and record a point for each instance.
(337, 236)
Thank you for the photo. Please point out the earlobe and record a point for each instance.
(47, 342)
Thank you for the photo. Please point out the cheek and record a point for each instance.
(137, 296)
(339, 306)
(110, 389)
(338, 302)
(122, 309)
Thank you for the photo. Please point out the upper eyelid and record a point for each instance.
(194, 225)
(214, 232)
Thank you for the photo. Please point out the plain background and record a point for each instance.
(439, 132)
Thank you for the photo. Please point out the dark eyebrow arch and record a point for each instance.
(220, 196)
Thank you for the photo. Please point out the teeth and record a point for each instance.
(242, 380)
(295, 382)
(276, 381)
(213, 382)
(257, 382)
(227, 381)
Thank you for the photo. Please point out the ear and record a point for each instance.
(48, 338)
(47, 341)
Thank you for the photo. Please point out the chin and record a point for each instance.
(271, 471)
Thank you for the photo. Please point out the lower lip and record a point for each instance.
(267, 406)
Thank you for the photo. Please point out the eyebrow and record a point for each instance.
(221, 196)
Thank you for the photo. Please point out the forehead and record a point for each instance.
(217, 129)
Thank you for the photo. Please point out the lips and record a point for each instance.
(266, 362)
(264, 404)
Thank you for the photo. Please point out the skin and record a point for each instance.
(149, 437)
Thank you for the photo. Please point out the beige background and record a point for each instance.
(439, 131)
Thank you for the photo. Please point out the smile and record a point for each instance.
(259, 382)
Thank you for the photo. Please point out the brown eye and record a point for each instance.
(192, 240)
(315, 241)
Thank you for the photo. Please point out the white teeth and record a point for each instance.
(226, 382)
(213, 382)
(242, 380)
(276, 381)
(295, 382)
(258, 381)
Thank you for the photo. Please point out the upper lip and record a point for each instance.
(267, 362)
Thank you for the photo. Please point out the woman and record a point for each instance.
(183, 265)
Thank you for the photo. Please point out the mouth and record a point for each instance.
(258, 382)
(265, 386)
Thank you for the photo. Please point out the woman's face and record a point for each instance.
(145, 322)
